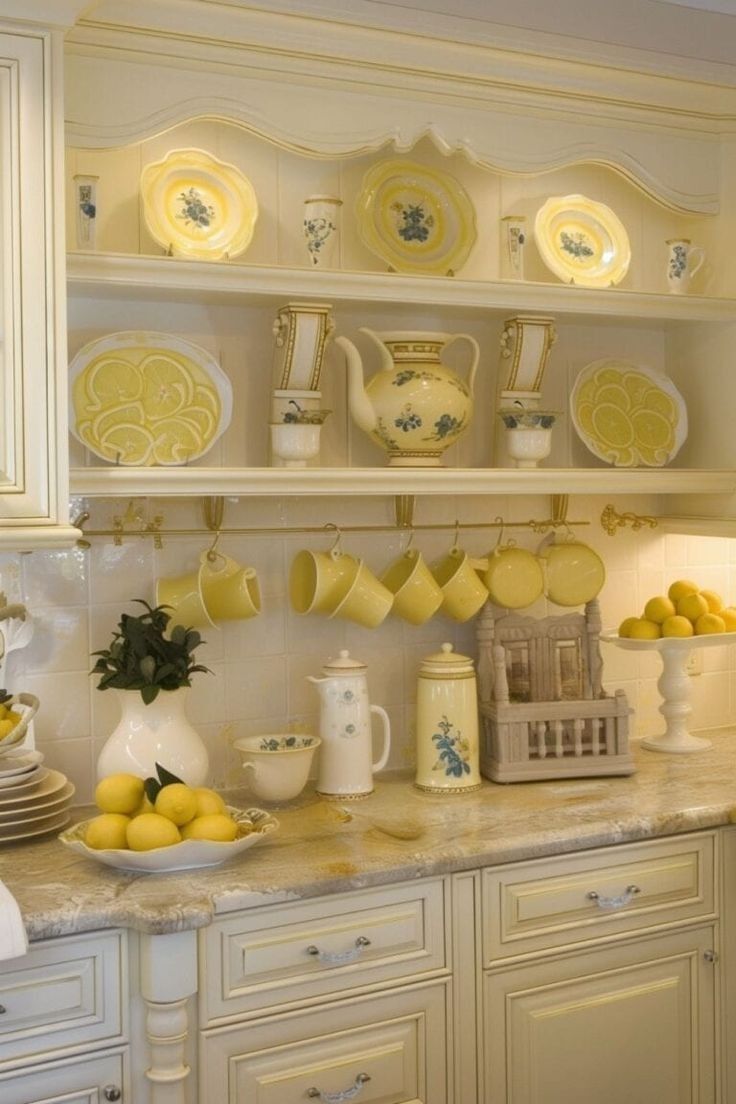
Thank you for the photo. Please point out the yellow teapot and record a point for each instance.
(415, 406)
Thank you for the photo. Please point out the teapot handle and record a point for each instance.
(476, 355)
(386, 737)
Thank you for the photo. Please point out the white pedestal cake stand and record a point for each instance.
(674, 686)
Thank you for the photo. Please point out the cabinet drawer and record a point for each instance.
(550, 903)
(64, 993)
(293, 953)
(381, 1050)
(82, 1081)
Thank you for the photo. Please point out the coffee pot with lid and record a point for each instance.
(346, 766)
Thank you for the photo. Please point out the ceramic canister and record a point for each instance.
(447, 724)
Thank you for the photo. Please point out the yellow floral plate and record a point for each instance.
(415, 218)
(197, 206)
(147, 398)
(582, 241)
(627, 414)
(254, 825)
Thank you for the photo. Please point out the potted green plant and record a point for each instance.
(150, 669)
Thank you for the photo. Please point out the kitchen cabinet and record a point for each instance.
(33, 458)
(297, 123)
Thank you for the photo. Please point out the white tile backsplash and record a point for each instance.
(260, 666)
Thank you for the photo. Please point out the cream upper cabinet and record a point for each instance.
(33, 462)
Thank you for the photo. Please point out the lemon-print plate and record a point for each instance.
(254, 826)
(627, 414)
(415, 218)
(199, 207)
(141, 398)
(582, 241)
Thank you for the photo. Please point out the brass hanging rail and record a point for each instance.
(159, 534)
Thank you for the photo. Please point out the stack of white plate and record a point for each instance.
(33, 799)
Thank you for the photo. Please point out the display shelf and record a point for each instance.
(110, 481)
(120, 275)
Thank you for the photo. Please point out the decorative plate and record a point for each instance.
(582, 242)
(415, 218)
(627, 414)
(186, 855)
(196, 206)
(147, 398)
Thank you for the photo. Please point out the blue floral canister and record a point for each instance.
(447, 724)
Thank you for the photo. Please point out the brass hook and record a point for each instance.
(410, 542)
(211, 551)
(337, 546)
(498, 520)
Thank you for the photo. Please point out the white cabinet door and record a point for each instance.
(631, 1023)
(33, 465)
(85, 1081)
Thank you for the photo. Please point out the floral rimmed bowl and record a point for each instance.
(253, 826)
(27, 706)
(528, 434)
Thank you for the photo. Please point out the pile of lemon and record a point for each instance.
(686, 610)
(9, 718)
(129, 821)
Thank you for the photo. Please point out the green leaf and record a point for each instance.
(152, 788)
(166, 777)
(148, 668)
(149, 693)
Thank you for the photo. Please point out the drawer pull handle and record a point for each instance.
(621, 901)
(338, 1097)
(111, 1092)
(340, 958)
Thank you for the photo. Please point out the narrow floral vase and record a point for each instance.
(322, 229)
(684, 260)
(86, 202)
(155, 733)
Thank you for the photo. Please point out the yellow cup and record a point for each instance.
(417, 595)
(318, 581)
(367, 601)
(463, 594)
(184, 594)
(230, 591)
(514, 577)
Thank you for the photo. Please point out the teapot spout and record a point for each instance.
(360, 405)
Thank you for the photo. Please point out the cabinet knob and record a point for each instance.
(111, 1092)
(710, 956)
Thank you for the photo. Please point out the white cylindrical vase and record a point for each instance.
(85, 198)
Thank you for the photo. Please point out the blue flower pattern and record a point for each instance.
(194, 209)
(415, 224)
(678, 262)
(576, 245)
(453, 750)
(407, 420)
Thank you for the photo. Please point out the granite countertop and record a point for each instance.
(396, 834)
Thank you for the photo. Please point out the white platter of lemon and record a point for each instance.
(184, 828)
(686, 618)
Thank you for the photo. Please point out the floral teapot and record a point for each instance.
(346, 766)
(415, 406)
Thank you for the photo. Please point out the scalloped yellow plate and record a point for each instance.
(627, 414)
(147, 399)
(415, 219)
(197, 206)
(582, 241)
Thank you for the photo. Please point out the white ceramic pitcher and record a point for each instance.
(346, 766)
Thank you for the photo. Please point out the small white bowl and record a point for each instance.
(295, 442)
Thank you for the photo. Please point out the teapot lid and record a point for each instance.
(446, 662)
(344, 664)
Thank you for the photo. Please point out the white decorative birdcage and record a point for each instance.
(544, 713)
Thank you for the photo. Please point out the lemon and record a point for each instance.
(107, 381)
(107, 831)
(715, 602)
(208, 802)
(6, 727)
(692, 606)
(728, 613)
(149, 831)
(709, 623)
(119, 793)
(128, 443)
(677, 626)
(177, 803)
(216, 826)
(167, 387)
(146, 806)
(643, 629)
(681, 588)
(624, 628)
(16, 718)
(659, 609)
